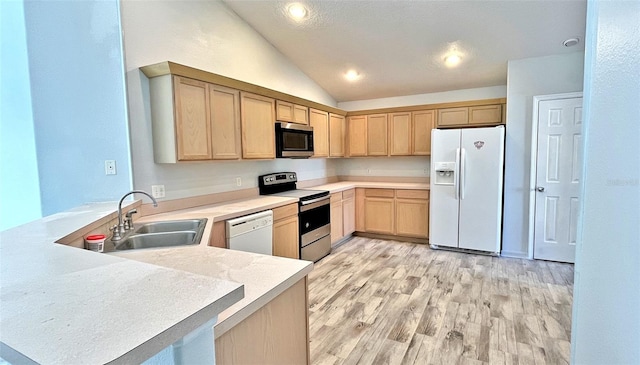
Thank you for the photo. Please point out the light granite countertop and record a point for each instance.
(264, 277)
(63, 305)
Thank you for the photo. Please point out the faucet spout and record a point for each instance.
(119, 230)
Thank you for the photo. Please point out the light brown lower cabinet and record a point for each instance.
(412, 213)
(285, 231)
(343, 215)
(336, 217)
(277, 333)
(379, 211)
(393, 212)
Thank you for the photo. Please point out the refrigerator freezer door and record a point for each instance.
(482, 176)
(443, 201)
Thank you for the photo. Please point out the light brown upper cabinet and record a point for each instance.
(422, 123)
(357, 135)
(400, 134)
(485, 115)
(225, 122)
(258, 132)
(377, 135)
(319, 120)
(293, 113)
(337, 126)
(193, 128)
(193, 120)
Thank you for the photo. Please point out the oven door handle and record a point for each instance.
(314, 203)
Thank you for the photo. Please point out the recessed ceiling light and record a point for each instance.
(452, 60)
(297, 11)
(571, 42)
(352, 75)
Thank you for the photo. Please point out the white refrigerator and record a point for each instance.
(467, 167)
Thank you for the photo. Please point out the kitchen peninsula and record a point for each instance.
(62, 304)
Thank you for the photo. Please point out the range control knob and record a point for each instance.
(291, 176)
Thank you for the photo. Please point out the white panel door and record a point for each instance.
(558, 168)
(481, 172)
(443, 200)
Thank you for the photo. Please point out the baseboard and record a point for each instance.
(392, 238)
(515, 255)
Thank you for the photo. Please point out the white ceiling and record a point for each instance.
(399, 46)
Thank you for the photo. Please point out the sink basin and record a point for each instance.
(155, 240)
(164, 234)
(172, 226)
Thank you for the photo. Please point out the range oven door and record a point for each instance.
(315, 229)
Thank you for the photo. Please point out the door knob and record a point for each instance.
(540, 189)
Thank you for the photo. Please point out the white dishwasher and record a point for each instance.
(251, 233)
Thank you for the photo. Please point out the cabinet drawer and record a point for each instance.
(336, 197)
(382, 193)
(285, 211)
(413, 194)
(348, 193)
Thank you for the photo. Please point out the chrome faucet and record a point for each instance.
(120, 229)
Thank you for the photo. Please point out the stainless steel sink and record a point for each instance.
(171, 226)
(164, 234)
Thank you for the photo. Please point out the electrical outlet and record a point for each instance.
(110, 167)
(157, 191)
(238, 181)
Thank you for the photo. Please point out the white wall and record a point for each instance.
(527, 78)
(206, 35)
(491, 92)
(606, 304)
(78, 101)
(410, 166)
(19, 188)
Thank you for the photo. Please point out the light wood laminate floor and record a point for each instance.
(386, 302)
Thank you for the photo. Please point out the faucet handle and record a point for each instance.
(128, 219)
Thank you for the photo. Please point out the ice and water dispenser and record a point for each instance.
(445, 173)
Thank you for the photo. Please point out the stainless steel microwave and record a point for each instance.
(294, 140)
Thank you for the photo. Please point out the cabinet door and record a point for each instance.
(336, 221)
(225, 122)
(258, 131)
(400, 134)
(285, 238)
(193, 129)
(336, 135)
(284, 111)
(486, 114)
(421, 125)
(360, 211)
(348, 216)
(300, 114)
(319, 120)
(357, 135)
(377, 135)
(453, 117)
(412, 218)
(379, 215)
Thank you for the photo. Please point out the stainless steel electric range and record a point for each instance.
(314, 212)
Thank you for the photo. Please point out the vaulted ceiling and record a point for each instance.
(398, 47)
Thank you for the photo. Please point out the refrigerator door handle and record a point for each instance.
(463, 170)
(456, 177)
